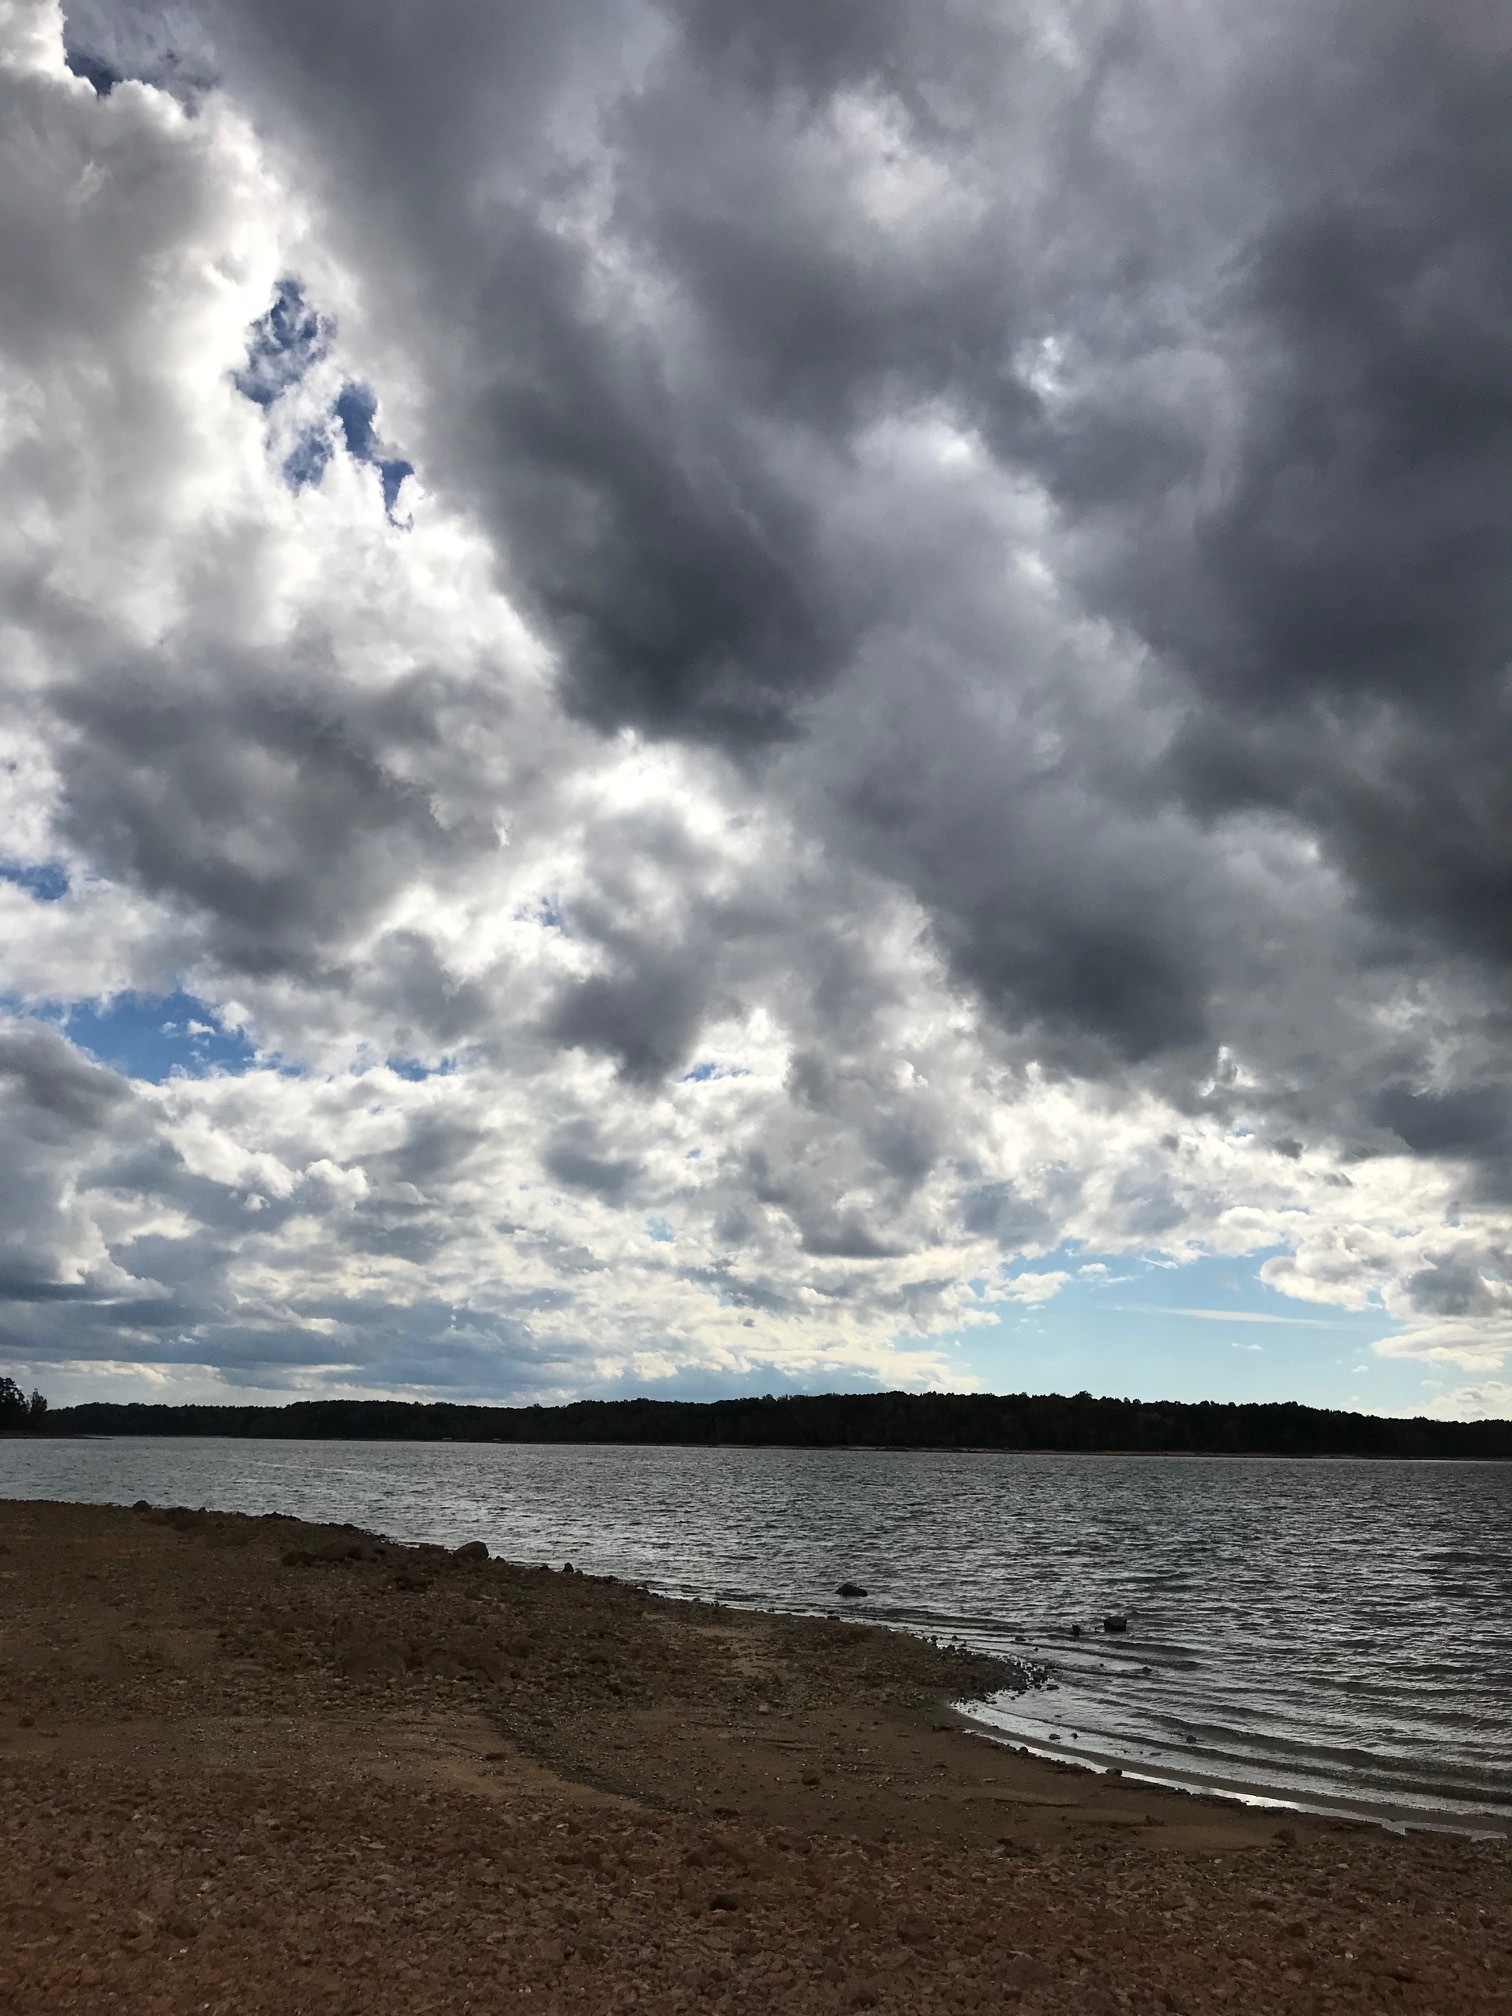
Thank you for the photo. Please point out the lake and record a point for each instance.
(1337, 1634)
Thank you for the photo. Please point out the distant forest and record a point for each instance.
(829, 1421)
(16, 1411)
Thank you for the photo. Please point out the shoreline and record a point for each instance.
(251, 1765)
(1162, 1455)
(1397, 1819)
(1177, 1773)
(1397, 1815)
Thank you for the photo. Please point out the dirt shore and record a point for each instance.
(252, 1766)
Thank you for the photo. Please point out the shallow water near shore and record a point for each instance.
(1335, 1633)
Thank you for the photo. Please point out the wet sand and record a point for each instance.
(252, 1766)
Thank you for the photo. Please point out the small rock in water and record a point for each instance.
(850, 1589)
(1076, 1630)
(1115, 1623)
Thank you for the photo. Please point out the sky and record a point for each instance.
(719, 697)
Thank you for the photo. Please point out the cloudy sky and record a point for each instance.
(720, 695)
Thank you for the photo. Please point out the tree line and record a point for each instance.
(1044, 1421)
(16, 1411)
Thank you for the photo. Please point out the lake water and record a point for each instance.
(1337, 1634)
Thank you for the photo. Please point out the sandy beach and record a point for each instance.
(248, 1765)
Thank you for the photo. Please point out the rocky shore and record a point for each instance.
(252, 1766)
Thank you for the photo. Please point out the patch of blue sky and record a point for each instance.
(1204, 1329)
(702, 1073)
(416, 1072)
(94, 70)
(391, 473)
(284, 345)
(659, 1230)
(43, 881)
(400, 1063)
(152, 1037)
(357, 409)
(308, 460)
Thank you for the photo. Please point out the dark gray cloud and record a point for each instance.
(575, 1159)
(52, 1101)
(645, 1013)
(1338, 601)
(224, 800)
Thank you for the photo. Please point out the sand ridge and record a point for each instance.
(248, 1765)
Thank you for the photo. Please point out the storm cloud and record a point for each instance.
(775, 659)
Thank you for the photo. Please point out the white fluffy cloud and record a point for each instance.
(712, 869)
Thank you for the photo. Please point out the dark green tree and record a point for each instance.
(16, 1411)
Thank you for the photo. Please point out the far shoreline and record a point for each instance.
(933, 1423)
(294, 1439)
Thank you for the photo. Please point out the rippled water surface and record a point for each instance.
(1336, 1632)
